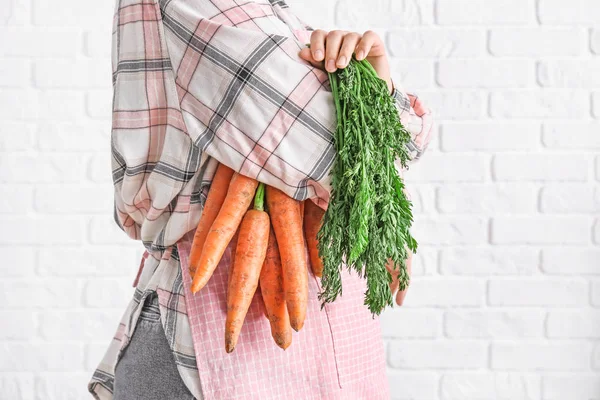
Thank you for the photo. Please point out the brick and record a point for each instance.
(597, 232)
(482, 12)
(404, 323)
(94, 353)
(35, 43)
(598, 168)
(99, 104)
(556, 135)
(425, 261)
(449, 168)
(459, 292)
(541, 230)
(540, 167)
(18, 262)
(571, 261)
(28, 230)
(16, 199)
(572, 386)
(436, 43)
(496, 73)
(578, 12)
(573, 324)
(69, 136)
(97, 43)
(104, 230)
(423, 198)
(595, 41)
(14, 73)
(412, 385)
(41, 168)
(537, 42)
(50, 199)
(450, 230)
(72, 13)
(61, 105)
(38, 357)
(383, 14)
(61, 386)
(569, 74)
(596, 358)
(596, 104)
(494, 324)
(324, 19)
(69, 74)
(540, 104)
(485, 136)
(22, 325)
(540, 356)
(17, 386)
(17, 136)
(595, 297)
(15, 12)
(78, 325)
(18, 104)
(570, 198)
(487, 199)
(102, 261)
(486, 385)
(56, 293)
(425, 354)
(99, 167)
(411, 75)
(104, 293)
(486, 261)
(455, 104)
(537, 292)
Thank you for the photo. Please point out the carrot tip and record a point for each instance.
(297, 325)
(229, 347)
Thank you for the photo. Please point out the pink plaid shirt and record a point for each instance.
(197, 82)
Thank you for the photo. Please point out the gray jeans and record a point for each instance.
(146, 369)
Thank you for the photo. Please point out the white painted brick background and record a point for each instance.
(505, 299)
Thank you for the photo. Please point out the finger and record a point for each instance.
(349, 43)
(305, 54)
(332, 48)
(401, 296)
(317, 44)
(364, 45)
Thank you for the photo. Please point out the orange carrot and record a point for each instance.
(250, 255)
(233, 246)
(239, 196)
(214, 201)
(313, 217)
(286, 220)
(271, 286)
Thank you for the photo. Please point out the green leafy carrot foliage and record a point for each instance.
(368, 219)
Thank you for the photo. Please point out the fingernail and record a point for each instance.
(318, 55)
(360, 55)
(331, 65)
(342, 61)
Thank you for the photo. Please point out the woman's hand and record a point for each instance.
(395, 284)
(332, 50)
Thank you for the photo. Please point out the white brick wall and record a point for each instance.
(505, 299)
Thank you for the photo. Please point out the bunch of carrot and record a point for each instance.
(270, 251)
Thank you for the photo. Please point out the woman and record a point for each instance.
(198, 82)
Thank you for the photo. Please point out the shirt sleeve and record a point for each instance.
(197, 82)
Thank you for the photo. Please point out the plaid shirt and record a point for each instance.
(198, 82)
